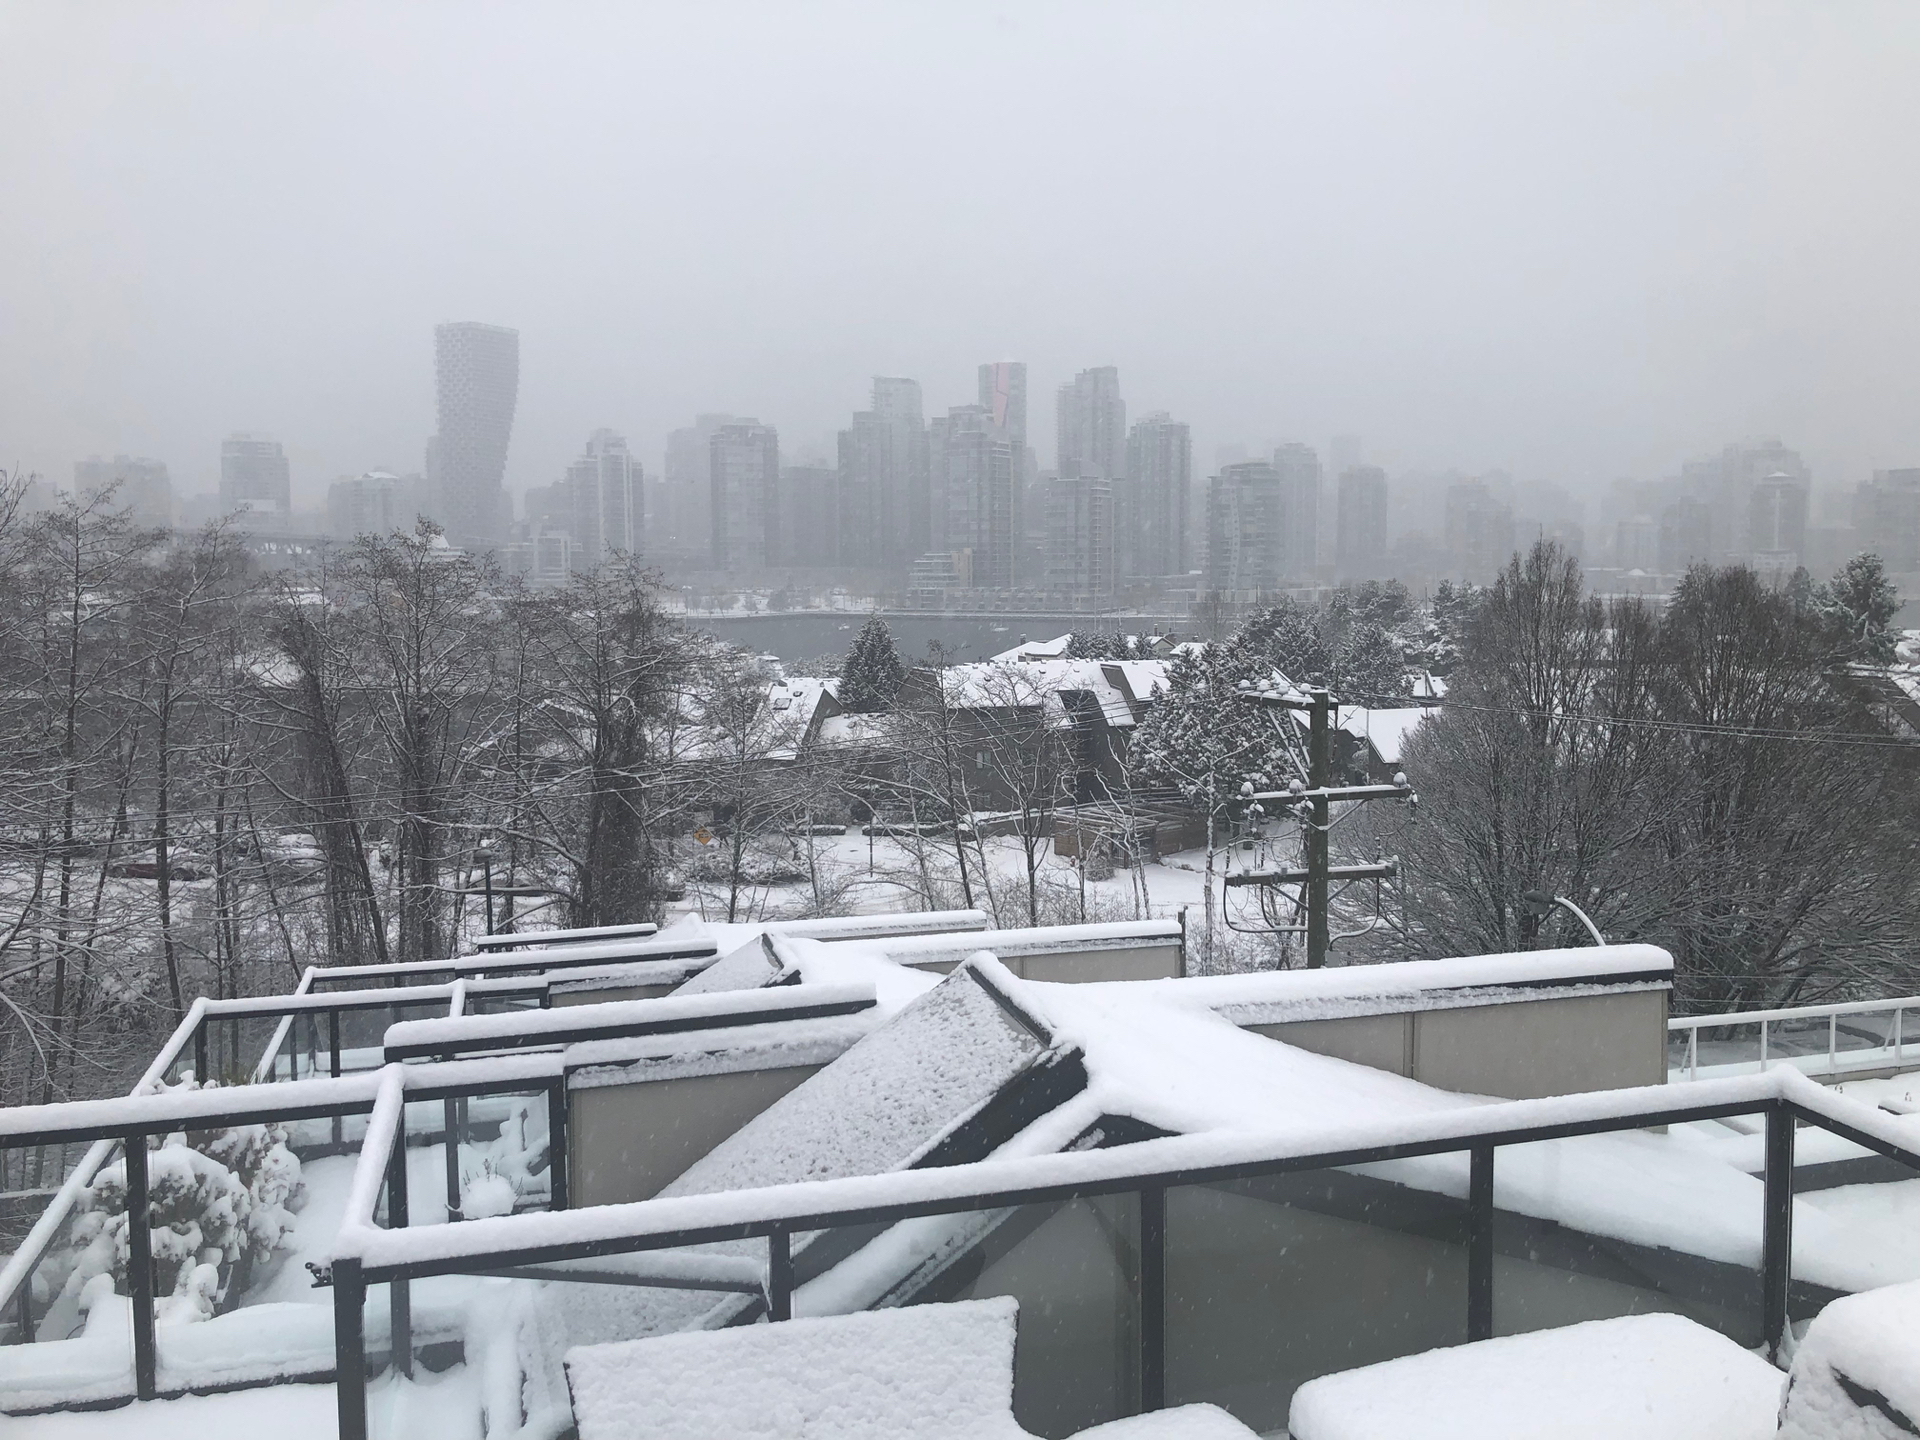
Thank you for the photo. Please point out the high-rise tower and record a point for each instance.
(1092, 438)
(746, 496)
(886, 506)
(254, 478)
(603, 501)
(1360, 533)
(976, 499)
(1150, 524)
(477, 376)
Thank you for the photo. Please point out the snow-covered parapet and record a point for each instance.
(1277, 997)
(1856, 1374)
(1652, 1377)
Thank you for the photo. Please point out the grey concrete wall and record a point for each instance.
(625, 1142)
(1521, 1050)
(608, 994)
(1107, 962)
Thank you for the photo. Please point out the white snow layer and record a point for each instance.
(1856, 1373)
(929, 1371)
(1652, 1377)
(934, 1372)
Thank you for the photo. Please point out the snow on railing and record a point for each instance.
(264, 1070)
(1770, 1023)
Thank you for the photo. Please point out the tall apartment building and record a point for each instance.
(810, 514)
(144, 489)
(1360, 529)
(886, 508)
(605, 493)
(685, 522)
(1153, 501)
(376, 503)
(477, 385)
(1686, 534)
(1886, 509)
(976, 495)
(1092, 434)
(1479, 530)
(1298, 467)
(1080, 539)
(746, 497)
(1246, 540)
(1777, 521)
(1003, 394)
(255, 479)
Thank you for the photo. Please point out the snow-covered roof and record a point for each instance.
(1385, 730)
(1053, 649)
(1142, 679)
(1040, 684)
(1857, 1371)
(853, 729)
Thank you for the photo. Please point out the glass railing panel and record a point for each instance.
(66, 1336)
(1273, 1282)
(1856, 1223)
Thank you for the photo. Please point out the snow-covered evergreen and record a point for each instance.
(873, 672)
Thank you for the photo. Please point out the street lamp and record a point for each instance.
(1539, 902)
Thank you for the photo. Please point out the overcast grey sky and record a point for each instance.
(1571, 240)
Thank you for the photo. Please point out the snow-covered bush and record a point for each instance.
(221, 1201)
(496, 1174)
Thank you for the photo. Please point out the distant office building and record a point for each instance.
(1092, 434)
(685, 525)
(543, 556)
(1246, 539)
(1080, 538)
(809, 506)
(1886, 515)
(1003, 394)
(604, 498)
(1727, 484)
(1777, 521)
(1345, 453)
(1360, 528)
(1479, 529)
(746, 496)
(477, 385)
(255, 480)
(1298, 467)
(1154, 499)
(376, 503)
(886, 511)
(143, 487)
(1636, 543)
(976, 498)
(1686, 535)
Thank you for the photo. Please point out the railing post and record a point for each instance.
(140, 1266)
(23, 1300)
(450, 1110)
(1763, 1045)
(399, 1293)
(1693, 1053)
(1776, 1246)
(333, 1065)
(1833, 1044)
(557, 1144)
(350, 1347)
(779, 1275)
(1153, 1299)
(200, 1051)
(1480, 1243)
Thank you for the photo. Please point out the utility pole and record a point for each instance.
(1318, 795)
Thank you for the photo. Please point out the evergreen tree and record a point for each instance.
(872, 675)
(1856, 608)
(1198, 737)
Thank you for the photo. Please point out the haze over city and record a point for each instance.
(1570, 245)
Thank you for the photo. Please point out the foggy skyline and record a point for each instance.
(1572, 246)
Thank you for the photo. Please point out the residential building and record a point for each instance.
(686, 493)
(1298, 467)
(144, 489)
(885, 501)
(1360, 533)
(1003, 393)
(1479, 530)
(809, 505)
(1092, 434)
(1154, 499)
(477, 385)
(1777, 521)
(1246, 530)
(746, 497)
(543, 555)
(376, 503)
(1887, 509)
(604, 497)
(1686, 535)
(256, 483)
(1080, 539)
(976, 503)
